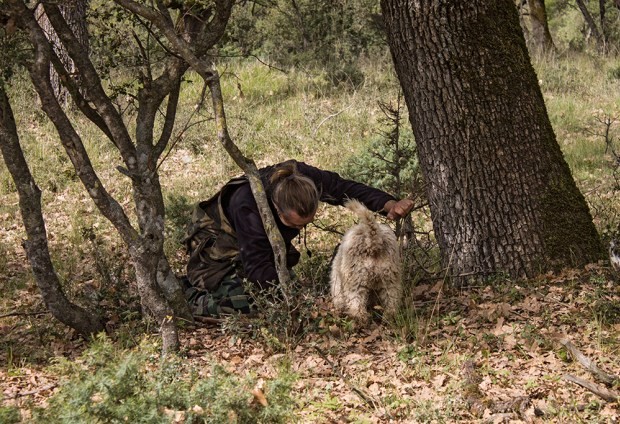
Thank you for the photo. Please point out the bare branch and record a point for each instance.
(328, 118)
(601, 392)
(33, 392)
(165, 26)
(249, 167)
(171, 111)
(188, 124)
(589, 365)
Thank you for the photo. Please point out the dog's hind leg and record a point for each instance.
(356, 303)
(337, 293)
(390, 297)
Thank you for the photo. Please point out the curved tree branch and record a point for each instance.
(82, 320)
(39, 72)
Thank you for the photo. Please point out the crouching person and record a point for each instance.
(227, 242)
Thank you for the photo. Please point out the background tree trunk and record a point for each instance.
(84, 322)
(602, 9)
(523, 10)
(541, 37)
(74, 12)
(502, 197)
(600, 42)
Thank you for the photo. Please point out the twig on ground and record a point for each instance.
(32, 392)
(471, 391)
(501, 417)
(16, 314)
(602, 376)
(209, 320)
(601, 392)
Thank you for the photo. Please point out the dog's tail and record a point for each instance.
(366, 216)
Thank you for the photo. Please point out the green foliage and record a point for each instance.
(390, 161)
(110, 385)
(13, 53)
(123, 48)
(9, 414)
(326, 34)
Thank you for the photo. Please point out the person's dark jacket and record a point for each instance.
(255, 251)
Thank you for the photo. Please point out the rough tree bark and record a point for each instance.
(541, 37)
(84, 322)
(502, 197)
(74, 12)
(200, 28)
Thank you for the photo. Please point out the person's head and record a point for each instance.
(294, 195)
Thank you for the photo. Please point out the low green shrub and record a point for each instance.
(9, 414)
(111, 385)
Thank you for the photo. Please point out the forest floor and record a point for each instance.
(495, 353)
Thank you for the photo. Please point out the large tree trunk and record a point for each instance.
(541, 37)
(84, 322)
(501, 195)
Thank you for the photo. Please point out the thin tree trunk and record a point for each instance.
(145, 262)
(144, 247)
(84, 322)
(502, 197)
(141, 161)
(602, 12)
(591, 24)
(541, 37)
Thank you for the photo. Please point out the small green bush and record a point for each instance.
(389, 163)
(111, 385)
(614, 73)
(9, 415)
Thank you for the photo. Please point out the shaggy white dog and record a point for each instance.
(366, 268)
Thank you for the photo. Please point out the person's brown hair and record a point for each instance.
(293, 191)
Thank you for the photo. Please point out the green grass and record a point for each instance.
(580, 91)
(107, 384)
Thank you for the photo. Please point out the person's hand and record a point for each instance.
(398, 209)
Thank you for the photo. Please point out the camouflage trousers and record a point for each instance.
(228, 298)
